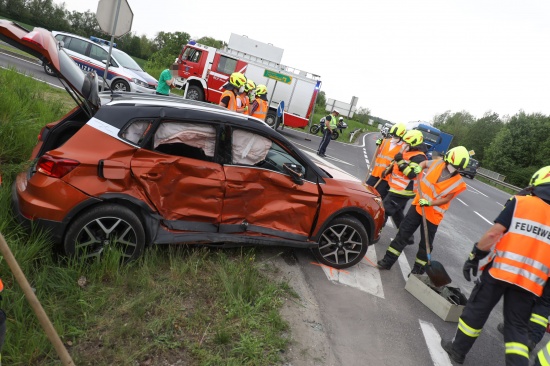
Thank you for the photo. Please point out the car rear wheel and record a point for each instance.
(103, 228)
(120, 85)
(343, 243)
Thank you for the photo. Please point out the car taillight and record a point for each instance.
(55, 167)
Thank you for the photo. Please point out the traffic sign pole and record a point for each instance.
(106, 74)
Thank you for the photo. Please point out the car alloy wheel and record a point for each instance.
(105, 227)
(120, 85)
(343, 243)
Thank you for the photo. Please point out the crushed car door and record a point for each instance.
(260, 194)
(179, 176)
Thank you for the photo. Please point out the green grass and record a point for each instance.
(186, 304)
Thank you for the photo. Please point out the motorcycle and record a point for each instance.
(314, 129)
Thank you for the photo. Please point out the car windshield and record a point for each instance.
(126, 61)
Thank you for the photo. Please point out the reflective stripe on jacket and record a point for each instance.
(433, 190)
(385, 157)
(523, 253)
(245, 102)
(232, 105)
(398, 181)
(261, 111)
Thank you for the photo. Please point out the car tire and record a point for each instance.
(314, 129)
(343, 243)
(195, 93)
(120, 86)
(48, 70)
(105, 227)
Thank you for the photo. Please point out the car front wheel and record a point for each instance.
(48, 70)
(120, 85)
(343, 243)
(105, 227)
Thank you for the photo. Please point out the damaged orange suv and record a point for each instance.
(125, 171)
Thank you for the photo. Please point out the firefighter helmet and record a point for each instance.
(249, 85)
(237, 79)
(458, 157)
(398, 130)
(413, 137)
(261, 90)
(541, 176)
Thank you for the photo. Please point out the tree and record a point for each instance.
(211, 42)
(168, 46)
(481, 133)
(362, 115)
(456, 124)
(321, 99)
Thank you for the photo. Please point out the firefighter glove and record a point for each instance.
(378, 142)
(417, 169)
(398, 157)
(424, 202)
(472, 263)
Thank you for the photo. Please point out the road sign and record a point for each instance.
(276, 76)
(281, 108)
(114, 17)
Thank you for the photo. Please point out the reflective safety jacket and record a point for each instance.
(522, 255)
(261, 111)
(385, 157)
(245, 102)
(232, 105)
(433, 190)
(398, 181)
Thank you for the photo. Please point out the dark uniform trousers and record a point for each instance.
(394, 205)
(540, 314)
(517, 310)
(324, 141)
(382, 187)
(406, 230)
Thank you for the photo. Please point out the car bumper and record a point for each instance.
(140, 89)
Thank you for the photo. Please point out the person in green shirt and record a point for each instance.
(166, 82)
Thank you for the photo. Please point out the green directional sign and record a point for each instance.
(276, 76)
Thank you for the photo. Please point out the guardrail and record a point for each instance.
(498, 181)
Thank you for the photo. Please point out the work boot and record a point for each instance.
(530, 343)
(384, 263)
(418, 269)
(455, 356)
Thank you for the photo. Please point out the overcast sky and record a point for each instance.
(405, 60)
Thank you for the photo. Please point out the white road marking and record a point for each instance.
(32, 77)
(477, 213)
(404, 266)
(364, 276)
(461, 201)
(478, 191)
(433, 341)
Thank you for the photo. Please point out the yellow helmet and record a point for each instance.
(249, 85)
(261, 90)
(541, 176)
(458, 157)
(398, 130)
(413, 137)
(237, 79)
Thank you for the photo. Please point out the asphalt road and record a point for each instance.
(368, 315)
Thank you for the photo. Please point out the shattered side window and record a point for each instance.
(136, 131)
(192, 140)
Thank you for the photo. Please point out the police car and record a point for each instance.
(91, 55)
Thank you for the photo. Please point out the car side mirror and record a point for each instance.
(295, 172)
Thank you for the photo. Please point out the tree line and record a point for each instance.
(160, 52)
(515, 146)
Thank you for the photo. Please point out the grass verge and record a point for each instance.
(176, 305)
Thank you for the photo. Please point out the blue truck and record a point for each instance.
(437, 141)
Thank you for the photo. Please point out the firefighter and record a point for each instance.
(402, 177)
(258, 107)
(230, 97)
(330, 124)
(385, 153)
(440, 183)
(249, 87)
(517, 271)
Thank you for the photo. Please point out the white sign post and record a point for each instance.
(115, 18)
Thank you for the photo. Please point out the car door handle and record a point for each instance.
(151, 176)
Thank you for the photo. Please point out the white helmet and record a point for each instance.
(341, 119)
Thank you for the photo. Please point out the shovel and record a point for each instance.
(435, 270)
(386, 172)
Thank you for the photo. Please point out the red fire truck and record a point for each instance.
(202, 71)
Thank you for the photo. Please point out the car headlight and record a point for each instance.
(140, 83)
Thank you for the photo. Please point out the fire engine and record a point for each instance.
(202, 71)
